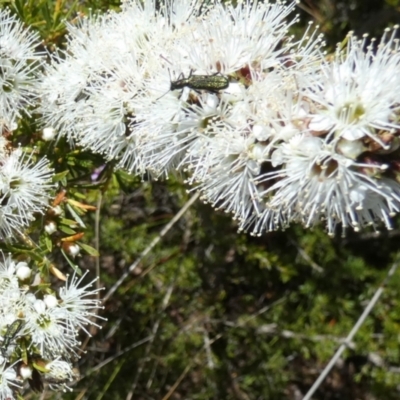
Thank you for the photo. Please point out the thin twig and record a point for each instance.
(245, 320)
(178, 381)
(274, 330)
(306, 257)
(352, 333)
(154, 331)
(97, 240)
(207, 347)
(194, 359)
(115, 356)
(151, 246)
(188, 367)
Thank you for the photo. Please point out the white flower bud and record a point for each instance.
(48, 134)
(23, 271)
(50, 227)
(30, 297)
(25, 371)
(71, 248)
(50, 301)
(350, 148)
(261, 133)
(57, 210)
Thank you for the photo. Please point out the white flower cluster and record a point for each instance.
(265, 126)
(25, 188)
(25, 184)
(40, 327)
(18, 66)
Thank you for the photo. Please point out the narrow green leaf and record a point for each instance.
(48, 243)
(61, 175)
(39, 368)
(72, 265)
(89, 249)
(67, 230)
(69, 222)
(76, 216)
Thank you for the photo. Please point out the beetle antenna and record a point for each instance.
(169, 73)
(166, 59)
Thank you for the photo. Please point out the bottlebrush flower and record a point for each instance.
(342, 164)
(292, 136)
(18, 75)
(41, 326)
(25, 188)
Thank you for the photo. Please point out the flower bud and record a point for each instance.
(23, 271)
(50, 227)
(71, 249)
(50, 301)
(48, 134)
(25, 371)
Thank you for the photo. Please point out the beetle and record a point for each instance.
(11, 333)
(212, 83)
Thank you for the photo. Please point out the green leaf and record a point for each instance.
(67, 230)
(69, 222)
(39, 368)
(34, 256)
(19, 6)
(76, 216)
(61, 175)
(71, 264)
(46, 14)
(89, 249)
(49, 243)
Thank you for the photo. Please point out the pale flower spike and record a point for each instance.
(41, 327)
(25, 189)
(294, 136)
(18, 76)
(25, 183)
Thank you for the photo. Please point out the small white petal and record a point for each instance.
(320, 123)
(39, 306)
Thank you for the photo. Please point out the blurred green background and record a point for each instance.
(212, 314)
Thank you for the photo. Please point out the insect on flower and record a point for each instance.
(12, 331)
(212, 83)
